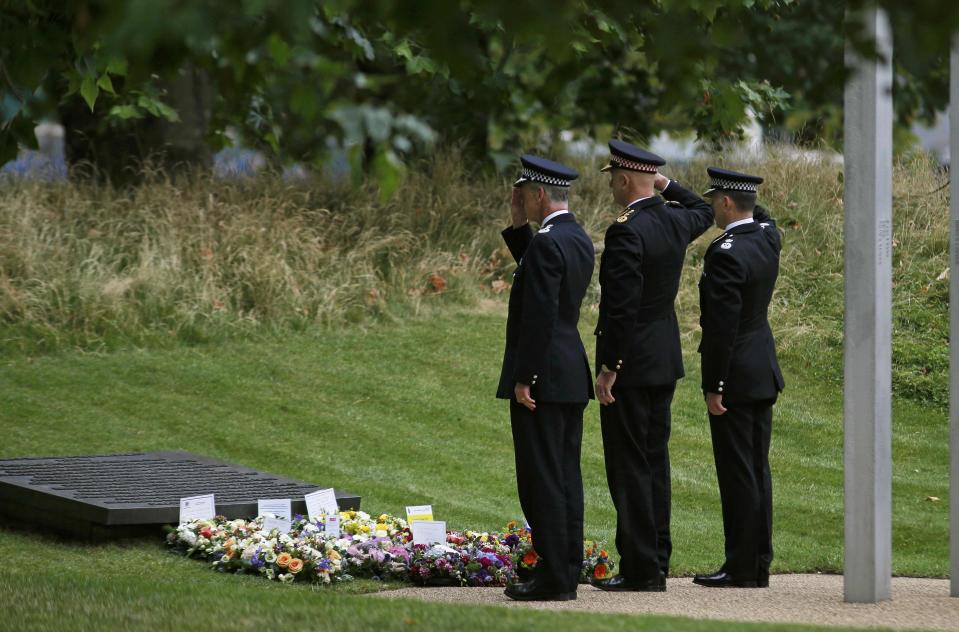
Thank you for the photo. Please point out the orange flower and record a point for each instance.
(603, 553)
(296, 565)
(589, 552)
(530, 558)
(600, 571)
(284, 560)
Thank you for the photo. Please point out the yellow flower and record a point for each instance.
(365, 528)
(381, 526)
(334, 555)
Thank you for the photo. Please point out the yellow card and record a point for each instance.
(419, 512)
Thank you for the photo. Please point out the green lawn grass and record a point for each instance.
(401, 414)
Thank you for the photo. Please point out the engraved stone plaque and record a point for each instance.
(99, 497)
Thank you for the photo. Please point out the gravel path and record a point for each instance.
(917, 604)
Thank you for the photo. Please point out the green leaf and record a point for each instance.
(167, 112)
(73, 82)
(117, 66)
(279, 50)
(89, 91)
(104, 83)
(126, 112)
(403, 50)
(388, 171)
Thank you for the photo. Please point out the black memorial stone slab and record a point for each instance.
(124, 495)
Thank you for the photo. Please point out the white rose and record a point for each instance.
(187, 535)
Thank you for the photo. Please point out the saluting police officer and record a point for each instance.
(546, 373)
(638, 355)
(741, 376)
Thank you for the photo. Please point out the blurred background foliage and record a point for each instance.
(386, 80)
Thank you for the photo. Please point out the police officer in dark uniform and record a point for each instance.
(638, 355)
(741, 376)
(546, 373)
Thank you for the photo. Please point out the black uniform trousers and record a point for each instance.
(547, 444)
(741, 449)
(636, 445)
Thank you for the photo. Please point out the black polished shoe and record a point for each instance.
(722, 579)
(622, 584)
(531, 591)
(762, 579)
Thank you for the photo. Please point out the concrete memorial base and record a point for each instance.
(127, 495)
(918, 604)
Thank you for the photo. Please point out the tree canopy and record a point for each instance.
(386, 79)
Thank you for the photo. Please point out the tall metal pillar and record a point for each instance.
(867, 405)
(954, 321)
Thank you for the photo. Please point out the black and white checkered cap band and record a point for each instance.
(542, 178)
(623, 163)
(733, 185)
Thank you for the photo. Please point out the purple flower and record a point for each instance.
(400, 552)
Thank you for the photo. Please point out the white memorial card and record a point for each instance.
(279, 507)
(197, 508)
(419, 512)
(270, 523)
(320, 503)
(332, 526)
(429, 532)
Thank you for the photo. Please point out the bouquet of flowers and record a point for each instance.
(378, 558)
(362, 525)
(377, 548)
(596, 562)
(437, 565)
(303, 554)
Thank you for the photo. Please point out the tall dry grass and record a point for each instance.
(194, 260)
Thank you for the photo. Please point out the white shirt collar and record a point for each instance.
(552, 215)
(639, 200)
(740, 222)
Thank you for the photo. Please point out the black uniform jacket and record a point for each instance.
(543, 347)
(637, 334)
(739, 274)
